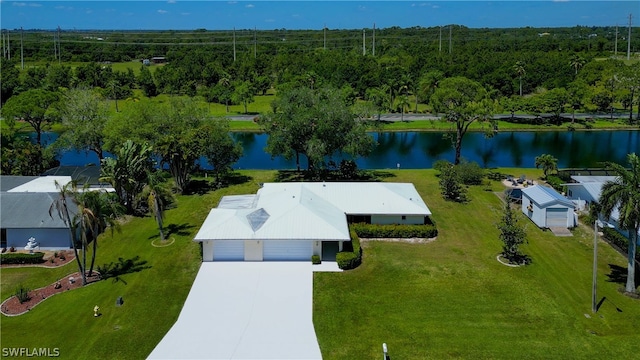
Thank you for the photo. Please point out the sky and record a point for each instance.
(310, 14)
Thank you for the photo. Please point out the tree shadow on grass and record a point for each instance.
(198, 187)
(617, 275)
(174, 229)
(331, 175)
(116, 269)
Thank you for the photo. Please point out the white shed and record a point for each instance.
(547, 208)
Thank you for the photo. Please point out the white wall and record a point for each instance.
(48, 239)
(397, 219)
(538, 215)
(579, 192)
(207, 251)
(253, 250)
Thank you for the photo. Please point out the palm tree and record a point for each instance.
(547, 162)
(101, 211)
(157, 198)
(403, 102)
(68, 211)
(577, 62)
(520, 71)
(623, 194)
(225, 81)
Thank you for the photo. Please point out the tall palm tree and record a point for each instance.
(520, 71)
(225, 81)
(101, 212)
(68, 211)
(158, 197)
(623, 194)
(547, 162)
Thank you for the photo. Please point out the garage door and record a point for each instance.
(228, 250)
(557, 217)
(288, 250)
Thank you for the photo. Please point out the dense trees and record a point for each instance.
(315, 123)
(623, 195)
(33, 107)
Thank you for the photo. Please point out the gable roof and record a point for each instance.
(8, 182)
(307, 211)
(545, 196)
(28, 211)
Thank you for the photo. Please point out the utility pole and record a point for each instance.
(59, 47)
(629, 40)
(21, 50)
(373, 42)
(4, 49)
(594, 302)
(364, 49)
(440, 46)
(255, 43)
(325, 37)
(234, 44)
(449, 39)
(8, 45)
(55, 47)
(615, 47)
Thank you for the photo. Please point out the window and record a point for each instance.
(3, 242)
(404, 217)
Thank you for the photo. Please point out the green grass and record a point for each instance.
(152, 297)
(440, 125)
(452, 299)
(446, 299)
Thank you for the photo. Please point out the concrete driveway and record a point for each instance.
(245, 310)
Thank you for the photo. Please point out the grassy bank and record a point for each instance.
(452, 299)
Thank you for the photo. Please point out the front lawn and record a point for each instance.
(452, 299)
(153, 297)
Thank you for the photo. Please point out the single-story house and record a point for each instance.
(547, 208)
(586, 190)
(293, 221)
(24, 212)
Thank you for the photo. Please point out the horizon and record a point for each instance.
(264, 15)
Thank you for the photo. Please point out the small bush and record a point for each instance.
(394, 231)
(556, 183)
(22, 258)
(315, 259)
(470, 173)
(347, 260)
(22, 293)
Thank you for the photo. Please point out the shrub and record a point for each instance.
(347, 260)
(22, 293)
(394, 231)
(315, 259)
(612, 236)
(22, 258)
(470, 173)
(555, 182)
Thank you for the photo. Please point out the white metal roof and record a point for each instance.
(311, 211)
(42, 184)
(544, 196)
(592, 178)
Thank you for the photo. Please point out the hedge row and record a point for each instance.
(614, 237)
(351, 255)
(395, 231)
(22, 258)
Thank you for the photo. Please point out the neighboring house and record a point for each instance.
(24, 212)
(293, 221)
(586, 190)
(547, 208)
(158, 60)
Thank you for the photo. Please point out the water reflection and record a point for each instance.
(414, 150)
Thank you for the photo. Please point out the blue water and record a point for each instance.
(413, 150)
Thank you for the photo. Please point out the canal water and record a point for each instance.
(414, 150)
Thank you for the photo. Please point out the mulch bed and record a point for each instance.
(51, 260)
(13, 307)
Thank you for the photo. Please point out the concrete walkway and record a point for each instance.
(246, 310)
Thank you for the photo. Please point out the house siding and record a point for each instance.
(397, 219)
(48, 239)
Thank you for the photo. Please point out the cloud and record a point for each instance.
(171, 1)
(249, 6)
(232, 2)
(269, 20)
(185, 14)
(30, 4)
(162, 11)
(560, 0)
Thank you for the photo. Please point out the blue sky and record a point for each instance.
(269, 15)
